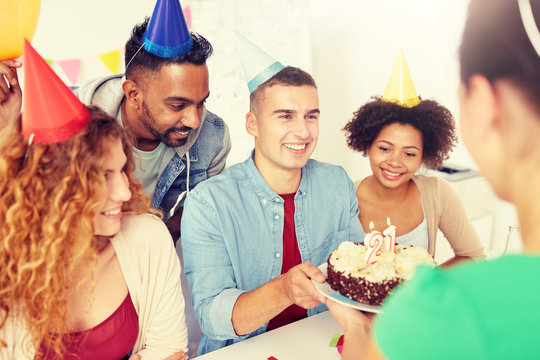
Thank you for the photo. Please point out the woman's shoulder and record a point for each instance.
(136, 222)
(427, 181)
(139, 229)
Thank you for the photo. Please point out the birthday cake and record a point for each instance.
(351, 274)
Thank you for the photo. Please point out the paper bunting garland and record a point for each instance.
(111, 60)
(187, 15)
(71, 67)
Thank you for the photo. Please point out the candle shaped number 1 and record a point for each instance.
(389, 237)
(374, 242)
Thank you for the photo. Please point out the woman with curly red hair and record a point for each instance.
(86, 270)
(398, 139)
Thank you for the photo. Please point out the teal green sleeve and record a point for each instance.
(428, 318)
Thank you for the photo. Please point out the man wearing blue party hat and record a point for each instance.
(253, 236)
(161, 100)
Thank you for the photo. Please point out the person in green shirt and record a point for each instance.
(485, 310)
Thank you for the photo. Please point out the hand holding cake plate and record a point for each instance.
(325, 289)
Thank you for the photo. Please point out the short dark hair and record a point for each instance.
(434, 121)
(288, 76)
(495, 45)
(201, 51)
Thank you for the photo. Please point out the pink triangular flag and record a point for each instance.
(71, 67)
(187, 15)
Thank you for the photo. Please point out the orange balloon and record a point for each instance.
(18, 20)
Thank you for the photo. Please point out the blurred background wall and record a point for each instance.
(349, 46)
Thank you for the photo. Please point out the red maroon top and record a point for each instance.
(291, 257)
(110, 340)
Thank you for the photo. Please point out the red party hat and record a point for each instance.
(51, 112)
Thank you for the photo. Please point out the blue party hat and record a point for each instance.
(257, 65)
(167, 34)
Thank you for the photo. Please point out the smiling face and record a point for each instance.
(396, 154)
(171, 103)
(286, 128)
(109, 213)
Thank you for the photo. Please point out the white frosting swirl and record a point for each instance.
(349, 258)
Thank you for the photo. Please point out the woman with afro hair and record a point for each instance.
(398, 139)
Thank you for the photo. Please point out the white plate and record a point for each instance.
(325, 289)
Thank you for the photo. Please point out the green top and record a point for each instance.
(488, 310)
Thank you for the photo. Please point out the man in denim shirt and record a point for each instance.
(253, 236)
(161, 102)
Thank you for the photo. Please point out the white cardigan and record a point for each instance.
(152, 272)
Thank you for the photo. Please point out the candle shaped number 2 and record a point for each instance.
(374, 242)
(389, 237)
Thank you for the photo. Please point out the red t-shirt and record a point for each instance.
(291, 257)
(110, 340)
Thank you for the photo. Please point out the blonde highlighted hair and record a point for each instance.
(47, 206)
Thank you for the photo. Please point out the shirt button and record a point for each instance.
(264, 201)
(276, 217)
(303, 193)
(277, 200)
(278, 255)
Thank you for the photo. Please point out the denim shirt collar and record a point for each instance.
(261, 187)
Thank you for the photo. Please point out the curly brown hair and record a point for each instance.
(434, 121)
(47, 207)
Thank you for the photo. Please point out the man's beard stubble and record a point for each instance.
(149, 123)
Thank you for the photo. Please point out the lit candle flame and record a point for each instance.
(388, 221)
(371, 226)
